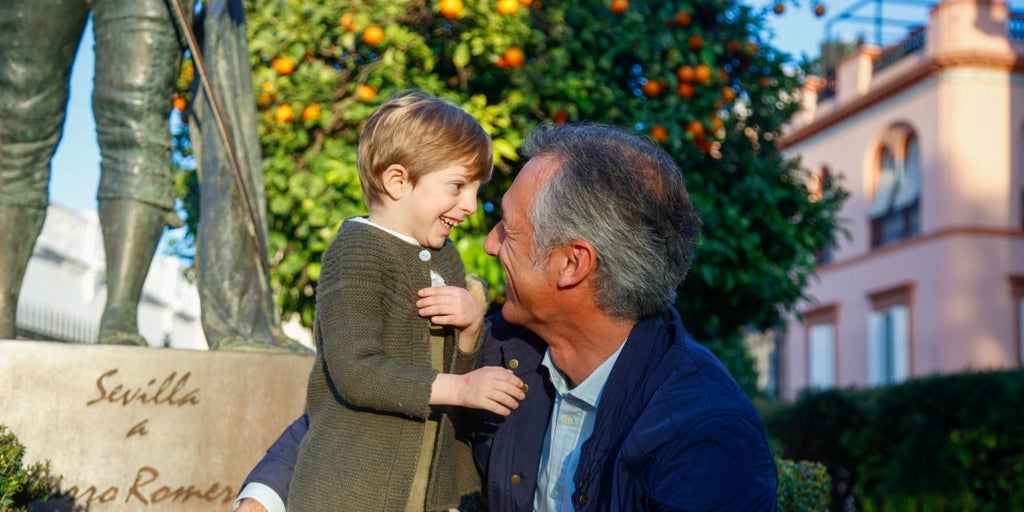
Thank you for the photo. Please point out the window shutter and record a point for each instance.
(901, 342)
(876, 356)
(823, 356)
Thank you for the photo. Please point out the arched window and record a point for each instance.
(895, 208)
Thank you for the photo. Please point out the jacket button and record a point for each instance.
(513, 364)
(516, 479)
(526, 388)
(582, 500)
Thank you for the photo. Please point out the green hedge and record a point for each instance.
(946, 443)
(803, 486)
(21, 485)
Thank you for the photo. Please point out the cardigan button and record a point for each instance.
(516, 479)
(513, 364)
(424, 255)
(581, 500)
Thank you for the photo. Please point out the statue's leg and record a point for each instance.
(38, 41)
(137, 60)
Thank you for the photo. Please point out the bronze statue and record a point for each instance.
(138, 53)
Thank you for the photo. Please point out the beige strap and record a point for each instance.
(418, 494)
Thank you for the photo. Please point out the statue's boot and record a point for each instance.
(19, 228)
(131, 231)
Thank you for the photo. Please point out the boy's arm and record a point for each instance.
(270, 478)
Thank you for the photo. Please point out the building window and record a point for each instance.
(821, 347)
(889, 336)
(895, 209)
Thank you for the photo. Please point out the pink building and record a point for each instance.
(928, 137)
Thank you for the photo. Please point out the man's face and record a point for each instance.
(529, 288)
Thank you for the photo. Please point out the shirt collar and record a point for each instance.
(402, 237)
(589, 391)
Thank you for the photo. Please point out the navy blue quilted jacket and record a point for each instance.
(674, 430)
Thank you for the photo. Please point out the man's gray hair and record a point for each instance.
(624, 195)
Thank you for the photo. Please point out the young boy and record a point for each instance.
(396, 330)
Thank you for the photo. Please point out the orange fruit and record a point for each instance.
(311, 112)
(716, 123)
(619, 6)
(267, 86)
(683, 19)
(696, 128)
(450, 9)
(284, 65)
(525, 3)
(514, 57)
(365, 92)
(728, 94)
(659, 133)
(696, 42)
(779, 8)
(684, 73)
(819, 9)
(373, 35)
(702, 74)
(264, 98)
(180, 104)
(508, 6)
(651, 88)
(685, 90)
(348, 21)
(284, 114)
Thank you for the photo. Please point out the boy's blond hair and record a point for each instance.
(424, 134)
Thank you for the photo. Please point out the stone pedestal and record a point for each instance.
(132, 428)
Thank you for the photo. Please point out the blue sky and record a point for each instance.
(75, 172)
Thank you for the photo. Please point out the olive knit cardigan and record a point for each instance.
(370, 383)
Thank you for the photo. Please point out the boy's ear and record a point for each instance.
(394, 179)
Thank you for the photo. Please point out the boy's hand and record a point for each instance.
(451, 305)
(491, 388)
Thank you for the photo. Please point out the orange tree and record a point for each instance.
(697, 76)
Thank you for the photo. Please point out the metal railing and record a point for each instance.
(914, 42)
(1015, 26)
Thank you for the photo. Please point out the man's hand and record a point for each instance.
(250, 505)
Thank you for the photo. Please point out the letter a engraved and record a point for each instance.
(138, 430)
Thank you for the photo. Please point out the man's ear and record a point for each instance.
(578, 260)
(394, 179)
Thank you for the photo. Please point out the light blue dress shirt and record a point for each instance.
(572, 422)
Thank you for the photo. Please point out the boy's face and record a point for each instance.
(439, 201)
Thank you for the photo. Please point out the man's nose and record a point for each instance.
(491, 243)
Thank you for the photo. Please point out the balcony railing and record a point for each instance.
(1015, 26)
(914, 42)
